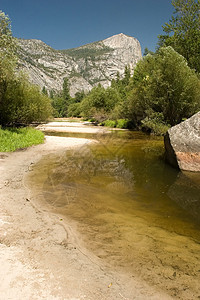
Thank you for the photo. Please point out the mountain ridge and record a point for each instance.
(85, 66)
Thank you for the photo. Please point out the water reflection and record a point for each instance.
(186, 193)
(132, 209)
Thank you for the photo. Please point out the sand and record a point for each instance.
(40, 254)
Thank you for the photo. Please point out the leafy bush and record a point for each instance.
(20, 102)
(99, 101)
(123, 124)
(74, 110)
(109, 123)
(154, 123)
(23, 103)
(120, 123)
(164, 83)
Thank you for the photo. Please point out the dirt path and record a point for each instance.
(40, 255)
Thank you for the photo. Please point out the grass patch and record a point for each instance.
(12, 139)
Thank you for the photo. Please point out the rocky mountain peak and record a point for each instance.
(121, 41)
(85, 66)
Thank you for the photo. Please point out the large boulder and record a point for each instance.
(182, 144)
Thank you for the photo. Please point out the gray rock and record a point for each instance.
(182, 144)
(85, 66)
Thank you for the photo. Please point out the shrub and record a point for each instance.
(154, 123)
(123, 124)
(74, 110)
(23, 103)
(109, 123)
(99, 101)
(164, 83)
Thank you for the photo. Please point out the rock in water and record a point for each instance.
(182, 144)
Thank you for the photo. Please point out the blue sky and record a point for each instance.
(65, 24)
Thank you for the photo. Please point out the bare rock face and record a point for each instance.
(85, 66)
(182, 144)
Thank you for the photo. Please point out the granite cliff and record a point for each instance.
(85, 66)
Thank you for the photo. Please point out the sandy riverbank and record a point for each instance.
(40, 255)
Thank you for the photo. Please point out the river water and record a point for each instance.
(132, 210)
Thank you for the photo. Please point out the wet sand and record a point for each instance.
(41, 255)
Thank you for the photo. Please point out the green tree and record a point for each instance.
(79, 97)
(147, 51)
(66, 94)
(20, 102)
(66, 97)
(57, 103)
(127, 75)
(23, 103)
(74, 110)
(44, 91)
(8, 57)
(99, 103)
(183, 31)
(61, 100)
(164, 88)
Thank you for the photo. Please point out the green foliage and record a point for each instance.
(91, 51)
(123, 124)
(120, 123)
(147, 51)
(99, 101)
(20, 102)
(61, 100)
(66, 94)
(74, 110)
(154, 122)
(164, 83)
(183, 31)
(109, 123)
(127, 76)
(57, 103)
(44, 91)
(8, 44)
(17, 138)
(7, 53)
(23, 103)
(78, 97)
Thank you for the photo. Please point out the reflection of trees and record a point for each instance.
(146, 161)
(133, 168)
(84, 167)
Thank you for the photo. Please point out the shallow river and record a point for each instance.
(132, 210)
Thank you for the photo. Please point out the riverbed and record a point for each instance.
(130, 209)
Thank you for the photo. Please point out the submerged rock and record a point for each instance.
(182, 144)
